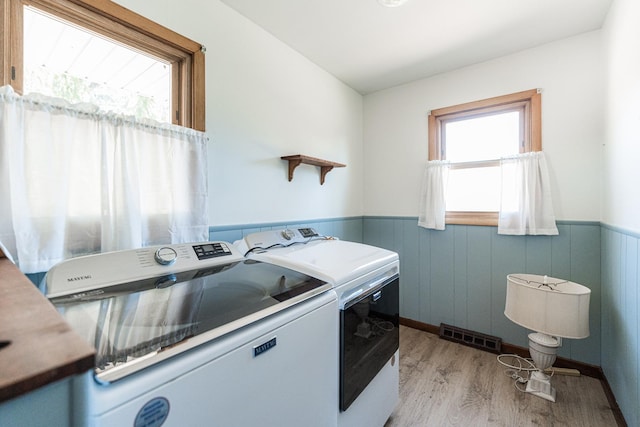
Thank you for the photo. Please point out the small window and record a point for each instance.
(473, 137)
(68, 62)
(105, 54)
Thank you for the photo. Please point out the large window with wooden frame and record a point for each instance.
(473, 137)
(148, 68)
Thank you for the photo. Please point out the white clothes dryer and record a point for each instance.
(366, 280)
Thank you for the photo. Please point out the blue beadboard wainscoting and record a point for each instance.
(621, 318)
(459, 276)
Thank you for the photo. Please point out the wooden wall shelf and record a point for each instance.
(297, 159)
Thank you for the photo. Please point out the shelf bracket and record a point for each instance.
(293, 164)
(324, 170)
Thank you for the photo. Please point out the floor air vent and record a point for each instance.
(471, 338)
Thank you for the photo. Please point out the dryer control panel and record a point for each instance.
(277, 238)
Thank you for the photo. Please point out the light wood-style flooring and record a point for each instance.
(448, 384)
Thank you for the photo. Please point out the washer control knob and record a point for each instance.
(165, 256)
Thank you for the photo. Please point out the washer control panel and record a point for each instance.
(91, 272)
(211, 250)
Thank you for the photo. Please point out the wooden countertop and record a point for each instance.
(37, 346)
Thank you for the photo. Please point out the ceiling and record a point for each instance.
(370, 47)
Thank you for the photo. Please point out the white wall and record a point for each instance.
(621, 208)
(621, 202)
(264, 101)
(570, 73)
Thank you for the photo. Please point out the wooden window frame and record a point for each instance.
(120, 24)
(531, 138)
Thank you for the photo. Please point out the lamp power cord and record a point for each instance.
(519, 369)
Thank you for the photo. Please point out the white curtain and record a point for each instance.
(74, 181)
(432, 199)
(525, 206)
(525, 200)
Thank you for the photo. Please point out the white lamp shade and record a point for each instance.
(548, 305)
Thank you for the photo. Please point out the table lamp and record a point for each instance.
(553, 309)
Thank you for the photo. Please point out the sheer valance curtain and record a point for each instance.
(74, 181)
(525, 202)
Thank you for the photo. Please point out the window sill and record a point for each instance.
(472, 218)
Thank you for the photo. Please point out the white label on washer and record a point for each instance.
(153, 414)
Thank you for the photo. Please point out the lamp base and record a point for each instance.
(540, 385)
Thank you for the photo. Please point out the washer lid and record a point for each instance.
(140, 323)
(334, 261)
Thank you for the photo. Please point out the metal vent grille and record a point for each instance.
(471, 338)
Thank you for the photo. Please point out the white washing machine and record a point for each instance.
(366, 280)
(197, 335)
